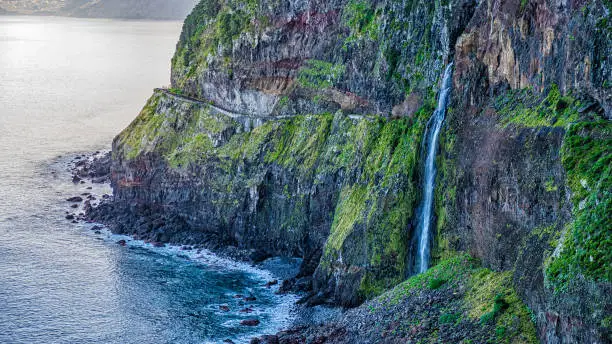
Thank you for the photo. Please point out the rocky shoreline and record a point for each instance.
(325, 165)
(431, 303)
(159, 230)
(94, 168)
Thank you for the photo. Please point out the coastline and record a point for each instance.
(289, 317)
(101, 18)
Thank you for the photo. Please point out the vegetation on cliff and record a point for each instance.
(313, 144)
(368, 164)
(455, 301)
(585, 250)
(587, 159)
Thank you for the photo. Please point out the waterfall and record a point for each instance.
(431, 145)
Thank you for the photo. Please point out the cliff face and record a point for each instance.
(527, 158)
(336, 190)
(294, 128)
(271, 58)
(130, 9)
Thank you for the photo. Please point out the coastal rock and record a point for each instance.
(267, 339)
(250, 322)
(271, 283)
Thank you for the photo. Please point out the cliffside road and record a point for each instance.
(228, 112)
(196, 101)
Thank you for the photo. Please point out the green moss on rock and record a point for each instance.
(319, 74)
(363, 19)
(529, 109)
(485, 297)
(372, 217)
(370, 162)
(587, 158)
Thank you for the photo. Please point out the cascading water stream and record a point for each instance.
(431, 146)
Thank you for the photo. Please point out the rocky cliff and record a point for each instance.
(295, 128)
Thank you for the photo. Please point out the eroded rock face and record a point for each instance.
(294, 128)
(533, 44)
(502, 154)
(303, 186)
(282, 58)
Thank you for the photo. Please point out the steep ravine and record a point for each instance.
(295, 128)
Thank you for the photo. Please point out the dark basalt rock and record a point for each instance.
(271, 283)
(268, 339)
(250, 322)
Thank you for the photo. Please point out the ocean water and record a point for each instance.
(68, 86)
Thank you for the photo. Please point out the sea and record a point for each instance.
(67, 87)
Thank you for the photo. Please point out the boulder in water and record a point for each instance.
(271, 283)
(268, 339)
(250, 322)
(75, 199)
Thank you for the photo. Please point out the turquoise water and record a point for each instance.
(69, 85)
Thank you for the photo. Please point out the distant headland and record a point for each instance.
(125, 9)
